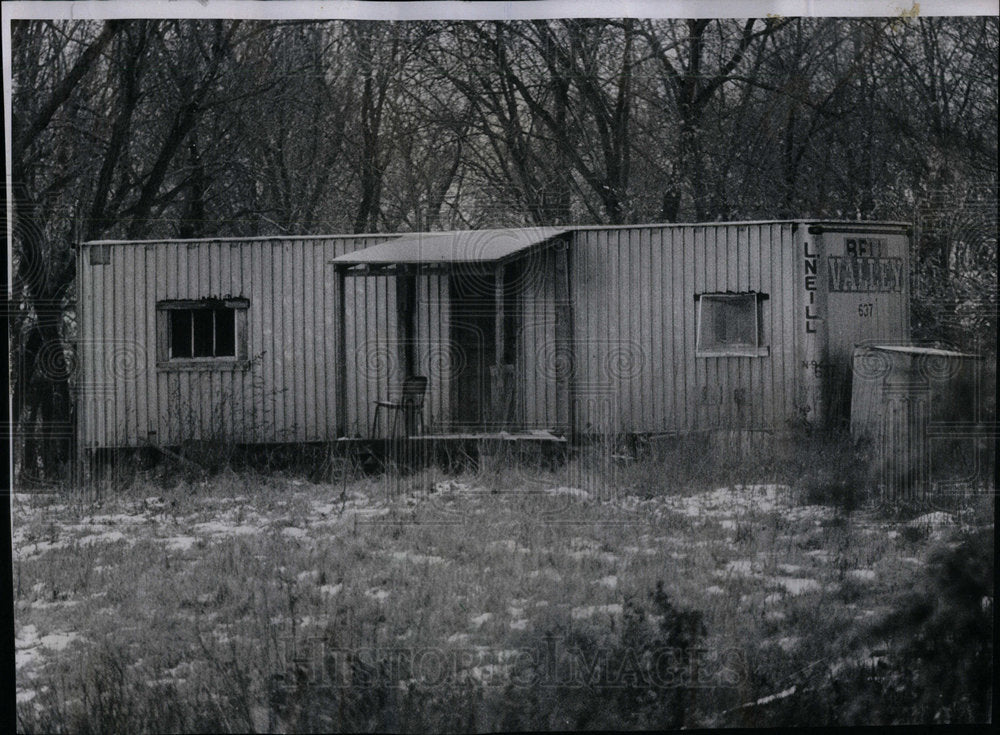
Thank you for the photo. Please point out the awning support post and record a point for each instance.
(406, 309)
(340, 342)
(499, 387)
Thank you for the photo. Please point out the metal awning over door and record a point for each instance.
(439, 250)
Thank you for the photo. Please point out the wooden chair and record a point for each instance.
(410, 404)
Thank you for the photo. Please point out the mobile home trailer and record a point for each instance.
(579, 330)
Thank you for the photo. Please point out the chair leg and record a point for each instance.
(395, 420)
(375, 422)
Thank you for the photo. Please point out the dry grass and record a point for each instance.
(255, 602)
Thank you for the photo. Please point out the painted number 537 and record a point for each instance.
(865, 310)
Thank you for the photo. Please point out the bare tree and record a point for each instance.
(84, 168)
(44, 271)
(552, 104)
(694, 61)
(190, 128)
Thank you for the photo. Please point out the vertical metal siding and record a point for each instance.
(634, 299)
(371, 342)
(434, 354)
(287, 392)
(538, 356)
(786, 284)
(635, 367)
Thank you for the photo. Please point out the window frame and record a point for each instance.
(760, 348)
(164, 321)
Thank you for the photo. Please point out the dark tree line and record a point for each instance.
(142, 129)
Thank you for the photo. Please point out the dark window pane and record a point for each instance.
(728, 321)
(202, 332)
(719, 309)
(744, 322)
(738, 328)
(180, 333)
(225, 333)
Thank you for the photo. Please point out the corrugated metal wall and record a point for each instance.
(435, 354)
(538, 353)
(634, 323)
(634, 367)
(286, 395)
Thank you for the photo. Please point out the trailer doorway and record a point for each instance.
(483, 320)
(489, 279)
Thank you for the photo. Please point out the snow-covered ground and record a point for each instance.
(492, 573)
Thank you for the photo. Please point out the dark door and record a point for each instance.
(473, 324)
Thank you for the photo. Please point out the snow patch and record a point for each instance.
(797, 585)
(27, 638)
(479, 620)
(110, 520)
(323, 509)
(509, 544)
(740, 567)
(108, 537)
(23, 550)
(180, 543)
(736, 499)
(416, 558)
(611, 582)
(862, 575)
(27, 644)
(218, 528)
(788, 643)
(606, 557)
(937, 518)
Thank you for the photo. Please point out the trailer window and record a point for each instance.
(208, 331)
(730, 324)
